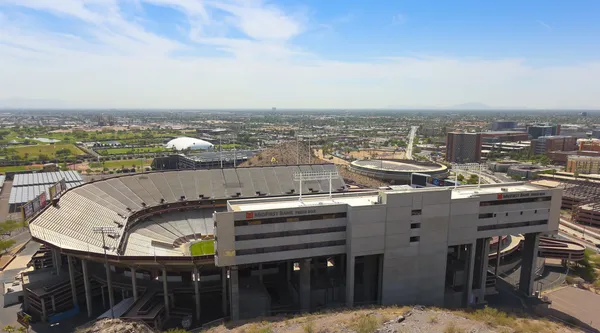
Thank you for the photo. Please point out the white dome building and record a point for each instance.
(184, 143)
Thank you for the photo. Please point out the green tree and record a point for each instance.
(8, 328)
(6, 244)
(460, 177)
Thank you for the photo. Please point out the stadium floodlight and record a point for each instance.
(107, 230)
(473, 167)
(315, 175)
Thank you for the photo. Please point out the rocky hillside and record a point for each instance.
(287, 154)
(375, 320)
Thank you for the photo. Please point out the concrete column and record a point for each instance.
(528, 263)
(498, 256)
(224, 293)
(57, 260)
(235, 293)
(88, 288)
(197, 291)
(484, 263)
(350, 280)
(134, 284)
(53, 301)
(165, 291)
(44, 313)
(109, 287)
(305, 285)
(72, 279)
(260, 273)
(469, 258)
(103, 297)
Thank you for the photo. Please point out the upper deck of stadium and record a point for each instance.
(134, 206)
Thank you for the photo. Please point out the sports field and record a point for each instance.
(123, 151)
(48, 150)
(203, 248)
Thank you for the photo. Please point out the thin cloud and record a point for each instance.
(398, 19)
(544, 24)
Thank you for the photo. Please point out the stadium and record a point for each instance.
(397, 171)
(197, 246)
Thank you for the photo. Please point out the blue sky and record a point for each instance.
(296, 54)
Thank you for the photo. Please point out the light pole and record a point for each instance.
(111, 301)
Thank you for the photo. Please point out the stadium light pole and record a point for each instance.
(111, 301)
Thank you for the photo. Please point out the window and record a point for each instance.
(290, 247)
(290, 219)
(414, 239)
(486, 216)
(506, 214)
(415, 212)
(289, 233)
(513, 201)
(415, 225)
(511, 225)
(521, 212)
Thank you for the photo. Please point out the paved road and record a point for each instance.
(411, 142)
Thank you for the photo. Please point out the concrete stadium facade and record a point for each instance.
(273, 253)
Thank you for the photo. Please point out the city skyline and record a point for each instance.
(254, 54)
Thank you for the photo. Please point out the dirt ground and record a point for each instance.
(377, 154)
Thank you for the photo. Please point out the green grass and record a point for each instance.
(48, 150)
(19, 168)
(123, 151)
(202, 248)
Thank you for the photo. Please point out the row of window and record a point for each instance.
(513, 201)
(489, 215)
(290, 233)
(290, 219)
(290, 247)
(511, 225)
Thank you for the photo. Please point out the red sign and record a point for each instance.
(249, 215)
(499, 196)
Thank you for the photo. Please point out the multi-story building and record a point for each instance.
(463, 147)
(503, 125)
(589, 145)
(503, 136)
(410, 246)
(545, 144)
(596, 133)
(535, 131)
(583, 164)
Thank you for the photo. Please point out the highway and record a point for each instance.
(411, 141)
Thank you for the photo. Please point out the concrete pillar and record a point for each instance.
(44, 313)
(469, 258)
(305, 285)
(53, 301)
(235, 293)
(485, 262)
(528, 263)
(134, 284)
(103, 297)
(72, 279)
(260, 273)
(57, 260)
(88, 288)
(498, 256)
(380, 279)
(165, 291)
(109, 287)
(224, 293)
(350, 280)
(197, 291)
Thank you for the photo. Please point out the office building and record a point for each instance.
(503, 125)
(536, 131)
(546, 144)
(463, 147)
(583, 164)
